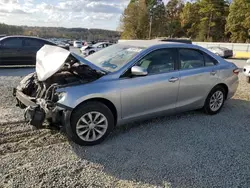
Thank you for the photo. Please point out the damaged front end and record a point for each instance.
(38, 92)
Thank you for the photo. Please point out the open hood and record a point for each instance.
(50, 59)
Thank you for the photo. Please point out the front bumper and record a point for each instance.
(23, 99)
(36, 115)
(246, 70)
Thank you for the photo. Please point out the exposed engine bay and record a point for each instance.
(39, 98)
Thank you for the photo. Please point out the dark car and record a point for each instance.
(21, 50)
(1, 36)
(180, 40)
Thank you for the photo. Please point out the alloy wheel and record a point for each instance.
(216, 101)
(91, 126)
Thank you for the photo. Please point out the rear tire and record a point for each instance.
(91, 52)
(215, 100)
(84, 128)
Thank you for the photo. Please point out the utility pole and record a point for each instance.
(150, 21)
(150, 24)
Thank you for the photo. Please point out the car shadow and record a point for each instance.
(186, 150)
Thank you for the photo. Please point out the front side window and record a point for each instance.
(12, 43)
(158, 61)
(191, 59)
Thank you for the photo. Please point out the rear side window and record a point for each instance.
(12, 43)
(209, 61)
(191, 59)
(33, 43)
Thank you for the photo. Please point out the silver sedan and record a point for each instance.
(221, 51)
(125, 82)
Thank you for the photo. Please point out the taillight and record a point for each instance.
(236, 71)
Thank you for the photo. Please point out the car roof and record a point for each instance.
(98, 43)
(22, 36)
(151, 43)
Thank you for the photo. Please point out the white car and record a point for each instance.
(87, 50)
(77, 44)
(246, 70)
(221, 51)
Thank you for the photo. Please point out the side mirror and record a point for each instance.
(138, 71)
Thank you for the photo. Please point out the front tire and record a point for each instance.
(215, 100)
(90, 124)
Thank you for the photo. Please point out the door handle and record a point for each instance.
(213, 73)
(173, 79)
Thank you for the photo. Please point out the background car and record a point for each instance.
(1, 36)
(62, 44)
(246, 71)
(21, 50)
(221, 51)
(71, 42)
(87, 43)
(181, 40)
(77, 44)
(88, 50)
(123, 83)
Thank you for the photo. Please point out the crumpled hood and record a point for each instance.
(50, 59)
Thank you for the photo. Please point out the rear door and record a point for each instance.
(11, 51)
(31, 46)
(198, 74)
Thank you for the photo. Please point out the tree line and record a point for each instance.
(60, 32)
(200, 20)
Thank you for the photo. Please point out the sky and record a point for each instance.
(104, 14)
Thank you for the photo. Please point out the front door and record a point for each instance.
(154, 93)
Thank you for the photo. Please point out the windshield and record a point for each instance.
(114, 57)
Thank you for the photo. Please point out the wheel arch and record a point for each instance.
(104, 101)
(224, 86)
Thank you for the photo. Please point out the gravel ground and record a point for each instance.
(187, 150)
